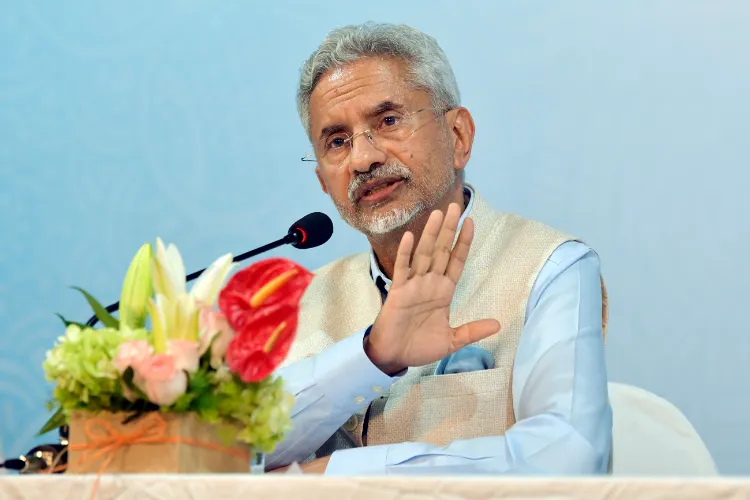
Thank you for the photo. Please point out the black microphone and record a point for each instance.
(310, 231)
(38, 459)
(25, 465)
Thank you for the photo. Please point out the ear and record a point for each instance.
(320, 179)
(462, 128)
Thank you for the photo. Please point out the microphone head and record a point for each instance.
(311, 231)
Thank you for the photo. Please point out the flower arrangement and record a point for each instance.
(192, 357)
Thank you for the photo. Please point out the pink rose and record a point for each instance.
(131, 353)
(161, 380)
(185, 354)
(215, 328)
(159, 368)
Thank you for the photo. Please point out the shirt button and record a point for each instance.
(351, 424)
(377, 388)
(358, 400)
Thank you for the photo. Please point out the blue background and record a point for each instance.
(625, 123)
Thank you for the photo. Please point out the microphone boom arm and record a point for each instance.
(286, 240)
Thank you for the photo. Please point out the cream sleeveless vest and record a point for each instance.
(505, 258)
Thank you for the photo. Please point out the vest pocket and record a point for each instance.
(438, 409)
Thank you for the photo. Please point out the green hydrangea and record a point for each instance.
(81, 366)
(261, 409)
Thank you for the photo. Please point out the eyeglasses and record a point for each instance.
(390, 127)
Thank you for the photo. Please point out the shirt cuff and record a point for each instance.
(367, 461)
(348, 375)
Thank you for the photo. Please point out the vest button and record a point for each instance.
(351, 424)
(359, 400)
(377, 388)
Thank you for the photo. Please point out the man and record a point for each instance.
(467, 340)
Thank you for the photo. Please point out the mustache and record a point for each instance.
(388, 170)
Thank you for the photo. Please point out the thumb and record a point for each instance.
(474, 332)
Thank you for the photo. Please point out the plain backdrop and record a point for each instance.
(625, 123)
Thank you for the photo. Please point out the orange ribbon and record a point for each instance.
(104, 441)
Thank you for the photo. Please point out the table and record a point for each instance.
(234, 487)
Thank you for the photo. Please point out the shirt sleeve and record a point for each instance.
(563, 418)
(328, 388)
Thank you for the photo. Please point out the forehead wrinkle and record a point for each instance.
(351, 90)
(341, 82)
(344, 85)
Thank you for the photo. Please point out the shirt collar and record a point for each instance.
(375, 271)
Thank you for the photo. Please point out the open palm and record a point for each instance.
(413, 327)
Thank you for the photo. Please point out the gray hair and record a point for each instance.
(429, 69)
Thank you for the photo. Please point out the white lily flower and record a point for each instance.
(168, 270)
(161, 318)
(175, 312)
(185, 326)
(208, 286)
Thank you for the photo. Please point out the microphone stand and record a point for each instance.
(292, 238)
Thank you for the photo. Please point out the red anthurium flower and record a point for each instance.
(261, 303)
(260, 289)
(254, 353)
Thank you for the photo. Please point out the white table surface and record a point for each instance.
(240, 487)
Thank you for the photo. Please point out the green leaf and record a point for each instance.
(183, 403)
(205, 401)
(56, 421)
(100, 311)
(210, 415)
(127, 380)
(68, 323)
(199, 382)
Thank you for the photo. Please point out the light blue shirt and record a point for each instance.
(563, 418)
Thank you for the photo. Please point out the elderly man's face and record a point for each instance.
(379, 187)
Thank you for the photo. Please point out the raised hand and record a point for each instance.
(413, 327)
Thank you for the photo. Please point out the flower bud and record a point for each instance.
(136, 290)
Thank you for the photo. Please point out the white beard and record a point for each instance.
(392, 220)
(430, 194)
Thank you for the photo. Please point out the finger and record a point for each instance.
(474, 332)
(460, 251)
(441, 254)
(403, 255)
(423, 255)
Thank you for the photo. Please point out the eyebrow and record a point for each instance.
(375, 111)
(383, 107)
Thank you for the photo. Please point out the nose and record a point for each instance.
(364, 155)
